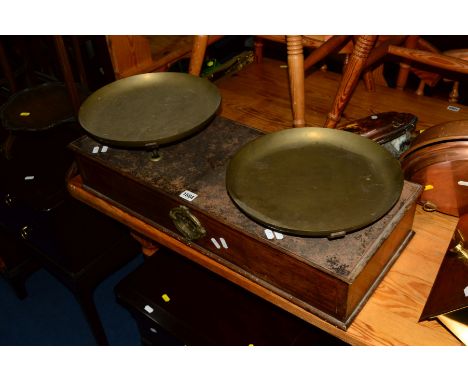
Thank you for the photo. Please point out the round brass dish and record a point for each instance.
(314, 181)
(148, 110)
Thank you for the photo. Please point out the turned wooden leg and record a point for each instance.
(7, 71)
(198, 54)
(258, 50)
(405, 67)
(331, 45)
(369, 81)
(378, 76)
(86, 302)
(148, 247)
(350, 78)
(7, 146)
(67, 73)
(453, 96)
(18, 285)
(345, 62)
(420, 89)
(296, 79)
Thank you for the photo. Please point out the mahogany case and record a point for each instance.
(184, 195)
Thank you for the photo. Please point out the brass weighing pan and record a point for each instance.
(314, 181)
(148, 110)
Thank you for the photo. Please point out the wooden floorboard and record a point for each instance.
(258, 96)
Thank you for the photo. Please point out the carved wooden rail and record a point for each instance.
(430, 58)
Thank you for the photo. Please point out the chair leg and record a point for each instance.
(19, 287)
(350, 78)
(7, 71)
(420, 89)
(296, 79)
(85, 299)
(369, 81)
(453, 96)
(258, 50)
(405, 67)
(198, 54)
(67, 73)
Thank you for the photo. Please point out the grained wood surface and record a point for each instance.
(432, 59)
(258, 96)
(351, 76)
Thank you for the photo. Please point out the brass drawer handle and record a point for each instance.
(187, 224)
(9, 200)
(26, 232)
(429, 206)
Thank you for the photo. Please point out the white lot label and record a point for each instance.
(463, 183)
(278, 235)
(188, 195)
(215, 243)
(223, 242)
(149, 309)
(269, 234)
(453, 108)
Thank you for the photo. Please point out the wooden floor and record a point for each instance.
(259, 97)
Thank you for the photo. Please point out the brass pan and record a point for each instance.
(148, 110)
(314, 181)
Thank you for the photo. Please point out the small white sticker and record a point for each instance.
(273, 235)
(188, 195)
(278, 235)
(374, 117)
(149, 309)
(463, 183)
(223, 242)
(453, 108)
(466, 291)
(269, 234)
(104, 149)
(153, 330)
(95, 149)
(30, 177)
(216, 244)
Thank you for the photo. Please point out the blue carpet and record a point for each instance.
(50, 314)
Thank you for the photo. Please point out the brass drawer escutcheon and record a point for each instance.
(187, 224)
